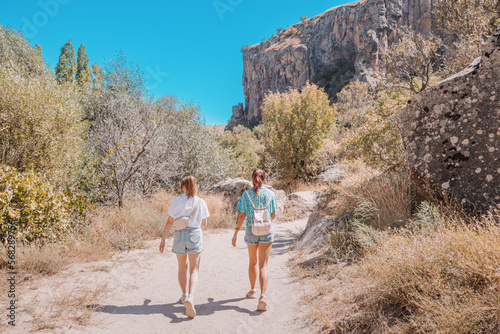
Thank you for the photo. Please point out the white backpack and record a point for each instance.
(261, 218)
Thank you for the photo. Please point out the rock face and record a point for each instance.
(451, 132)
(237, 117)
(342, 42)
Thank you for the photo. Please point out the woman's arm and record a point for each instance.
(241, 219)
(168, 226)
(273, 215)
(204, 223)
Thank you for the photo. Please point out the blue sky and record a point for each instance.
(190, 49)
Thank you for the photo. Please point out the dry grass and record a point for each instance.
(221, 213)
(432, 272)
(378, 200)
(435, 279)
(74, 305)
(111, 229)
(344, 197)
(291, 186)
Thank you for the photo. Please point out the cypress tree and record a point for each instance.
(97, 76)
(66, 68)
(83, 71)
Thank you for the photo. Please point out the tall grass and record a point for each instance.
(442, 276)
(111, 229)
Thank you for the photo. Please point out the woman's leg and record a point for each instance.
(252, 265)
(264, 251)
(194, 269)
(182, 274)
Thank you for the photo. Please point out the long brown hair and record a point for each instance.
(258, 179)
(189, 183)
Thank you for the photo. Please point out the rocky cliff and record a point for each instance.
(451, 132)
(329, 49)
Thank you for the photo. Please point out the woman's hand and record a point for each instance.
(234, 238)
(168, 225)
(241, 219)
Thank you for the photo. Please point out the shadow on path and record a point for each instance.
(174, 309)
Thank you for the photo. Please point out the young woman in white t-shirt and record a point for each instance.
(188, 243)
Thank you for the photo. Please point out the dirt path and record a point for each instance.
(142, 291)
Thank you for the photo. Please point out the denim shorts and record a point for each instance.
(188, 241)
(252, 239)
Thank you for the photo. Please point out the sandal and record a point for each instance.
(262, 306)
(252, 294)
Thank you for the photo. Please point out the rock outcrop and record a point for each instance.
(328, 49)
(333, 173)
(307, 200)
(451, 132)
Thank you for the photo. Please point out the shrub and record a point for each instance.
(296, 123)
(378, 142)
(412, 61)
(369, 130)
(245, 147)
(31, 207)
(41, 125)
(289, 32)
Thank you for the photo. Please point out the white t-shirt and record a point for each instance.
(182, 206)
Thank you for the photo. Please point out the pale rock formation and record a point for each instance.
(333, 173)
(354, 34)
(307, 200)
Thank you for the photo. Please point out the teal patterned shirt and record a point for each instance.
(245, 206)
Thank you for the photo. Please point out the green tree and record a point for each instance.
(246, 148)
(97, 77)
(40, 120)
(66, 68)
(83, 71)
(354, 103)
(296, 123)
(372, 135)
(413, 61)
(124, 76)
(464, 26)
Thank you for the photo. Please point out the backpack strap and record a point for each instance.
(195, 209)
(268, 202)
(246, 192)
(270, 198)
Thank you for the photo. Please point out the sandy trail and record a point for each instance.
(143, 290)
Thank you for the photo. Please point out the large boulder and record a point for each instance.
(318, 233)
(232, 189)
(451, 132)
(333, 173)
(307, 200)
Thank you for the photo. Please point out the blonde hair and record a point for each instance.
(189, 183)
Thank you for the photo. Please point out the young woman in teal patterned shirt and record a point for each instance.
(259, 247)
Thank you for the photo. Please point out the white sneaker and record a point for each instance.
(189, 305)
(182, 299)
(262, 306)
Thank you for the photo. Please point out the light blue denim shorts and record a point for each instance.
(188, 241)
(252, 239)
